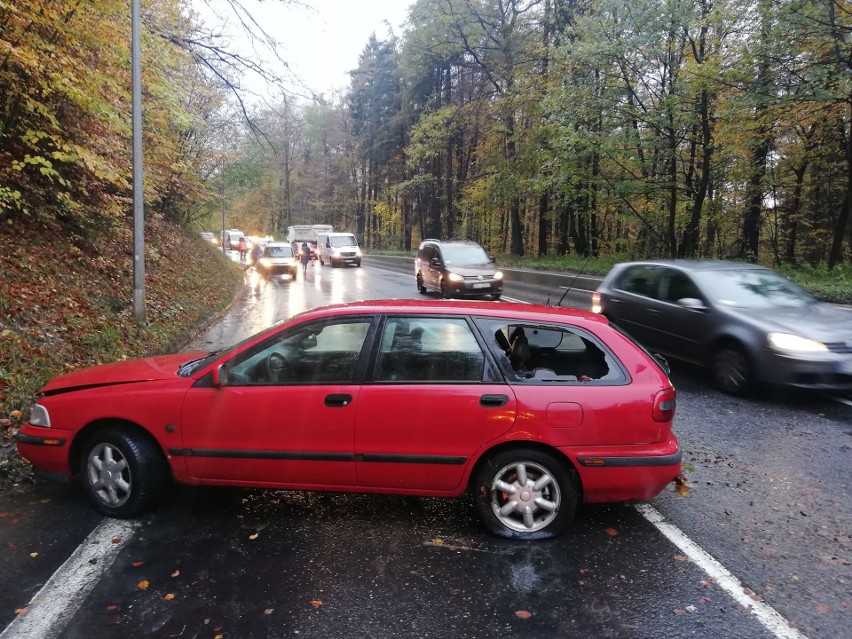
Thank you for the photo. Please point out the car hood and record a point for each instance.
(486, 270)
(820, 321)
(279, 261)
(135, 370)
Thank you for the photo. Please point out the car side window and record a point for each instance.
(424, 349)
(318, 353)
(536, 354)
(640, 280)
(675, 285)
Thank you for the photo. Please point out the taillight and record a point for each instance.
(664, 405)
(596, 302)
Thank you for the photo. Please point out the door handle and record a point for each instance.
(337, 401)
(493, 401)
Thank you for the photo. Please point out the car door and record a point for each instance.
(677, 328)
(430, 273)
(432, 403)
(285, 414)
(629, 302)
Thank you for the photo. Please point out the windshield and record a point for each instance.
(753, 288)
(279, 251)
(464, 255)
(347, 240)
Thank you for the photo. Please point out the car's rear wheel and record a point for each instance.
(420, 287)
(123, 474)
(731, 370)
(524, 494)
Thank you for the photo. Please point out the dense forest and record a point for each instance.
(679, 128)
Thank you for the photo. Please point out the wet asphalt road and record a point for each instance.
(770, 480)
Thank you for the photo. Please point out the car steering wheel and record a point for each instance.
(275, 364)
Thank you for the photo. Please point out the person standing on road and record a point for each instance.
(243, 249)
(256, 250)
(305, 257)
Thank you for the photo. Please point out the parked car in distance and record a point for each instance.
(541, 407)
(338, 249)
(278, 259)
(456, 268)
(747, 323)
(209, 236)
(232, 239)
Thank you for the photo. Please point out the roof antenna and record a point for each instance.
(570, 286)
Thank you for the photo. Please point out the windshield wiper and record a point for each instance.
(189, 367)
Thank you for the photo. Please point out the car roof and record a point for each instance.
(696, 265)
(450, 241)
(277, 244)
(509, 310)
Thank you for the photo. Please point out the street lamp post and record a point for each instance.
(138, 200)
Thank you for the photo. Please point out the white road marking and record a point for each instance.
(63, 594)
(765, 614)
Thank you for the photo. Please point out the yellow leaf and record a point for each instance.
(316, 603)
(437, 541)
(33, 555)
(169, 597)
(175, 573)
(681, 487)
(15, 414)
(143, 585)
(254, 536)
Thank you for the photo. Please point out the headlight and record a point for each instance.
(794, 343)
(264, 261)
(498, 275)
(455, 277)
(39, 416)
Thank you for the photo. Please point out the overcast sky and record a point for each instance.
(323, 42)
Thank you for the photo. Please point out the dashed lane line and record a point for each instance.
(53, 606)
(764, 613)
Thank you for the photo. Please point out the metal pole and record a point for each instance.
(138, 199)
(223, 206)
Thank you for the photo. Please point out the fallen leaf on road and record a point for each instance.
(678, 611)
(112, 608)
(681, 487)
(268, 611)
(523, 614)
(143, 585)
(175, 573)
(21, 611)
(681, 558)
(116, 540)
(821, 608)
(136, 564)
(316, 603)
(254, 536)
(33, 555)
(169, 596)
(437, 541)
(612, 532)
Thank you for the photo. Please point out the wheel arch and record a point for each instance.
(76, 450)
(527, 445)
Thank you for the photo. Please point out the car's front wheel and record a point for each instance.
(731, 370)
(524, 494)
(420, 287)
(123, 474)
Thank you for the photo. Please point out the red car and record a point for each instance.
(530, 408)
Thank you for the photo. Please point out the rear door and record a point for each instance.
(433, 402)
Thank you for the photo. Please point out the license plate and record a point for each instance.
(481, 285)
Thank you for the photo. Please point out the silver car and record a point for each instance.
(747, 323)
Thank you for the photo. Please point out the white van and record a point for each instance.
(338, 248)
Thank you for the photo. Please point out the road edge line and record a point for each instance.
(770, 618)
(62, 595)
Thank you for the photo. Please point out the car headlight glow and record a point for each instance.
(39, 416)
(794, 343)
(455, 277)
(498, 275)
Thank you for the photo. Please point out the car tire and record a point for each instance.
(320, 261)
(123, 474)
(444, 292)
(502, 475)
(732, 371)
(333, 263)
(358, 263)
(420, 287)
(496, 296)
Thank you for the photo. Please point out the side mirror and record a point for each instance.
(692, 302)
(492, 258)
(220, 375)
(435, 262)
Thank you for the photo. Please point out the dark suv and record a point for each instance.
(456, 268)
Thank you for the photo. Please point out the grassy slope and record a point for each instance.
(66, 303)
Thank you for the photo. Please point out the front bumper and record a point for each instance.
(827, 371)
(46, 449)
(471, 288)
